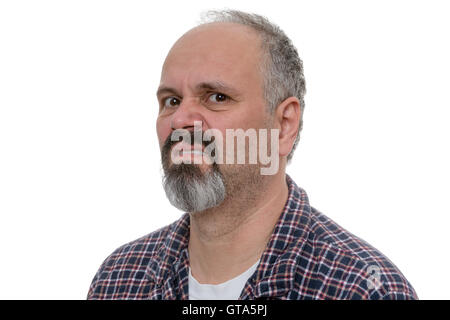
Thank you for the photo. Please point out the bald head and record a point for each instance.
(227, 33)
(216, 48)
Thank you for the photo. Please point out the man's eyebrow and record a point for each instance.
(211, 85)
(216, 86)
(164, 89)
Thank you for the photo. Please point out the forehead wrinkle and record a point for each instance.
(214, 85)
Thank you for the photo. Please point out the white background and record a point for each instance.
(79, 159)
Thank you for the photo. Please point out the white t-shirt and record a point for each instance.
(229, 290)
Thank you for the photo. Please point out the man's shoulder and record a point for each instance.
(143, 247)
(348, 265)
(128, 266)
(325, 231)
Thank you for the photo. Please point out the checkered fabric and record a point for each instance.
(307, 257)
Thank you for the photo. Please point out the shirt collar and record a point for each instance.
(276, 273)
(169, 266)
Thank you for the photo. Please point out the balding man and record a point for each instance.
(248, 230)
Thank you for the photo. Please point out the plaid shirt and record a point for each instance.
(307, 257)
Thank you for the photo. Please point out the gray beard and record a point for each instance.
(190, 190)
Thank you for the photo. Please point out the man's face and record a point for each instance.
(212, 74)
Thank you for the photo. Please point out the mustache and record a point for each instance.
(195, 138)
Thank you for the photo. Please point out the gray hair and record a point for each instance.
(282, 68)
(189, 191)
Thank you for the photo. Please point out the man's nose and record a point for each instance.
(186, 114)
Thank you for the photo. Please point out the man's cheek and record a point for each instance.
(163, 131)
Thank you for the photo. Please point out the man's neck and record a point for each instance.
(227, 240)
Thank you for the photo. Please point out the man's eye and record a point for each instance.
(170, 102)
(218, 97)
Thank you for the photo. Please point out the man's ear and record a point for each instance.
(288, 115)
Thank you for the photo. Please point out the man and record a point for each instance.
(246, 234)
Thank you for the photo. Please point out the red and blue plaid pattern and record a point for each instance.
(307, 257)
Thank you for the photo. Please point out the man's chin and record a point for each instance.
(191, 190)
